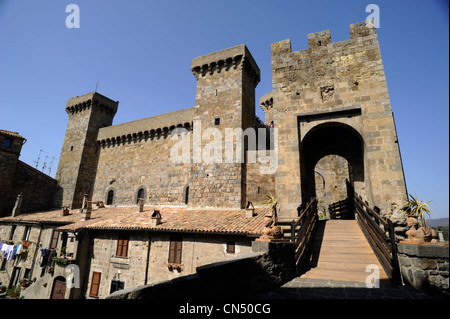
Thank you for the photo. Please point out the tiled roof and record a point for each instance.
(173, 218)
(12, 134)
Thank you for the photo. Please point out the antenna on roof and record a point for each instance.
(50, 166)
(96, 86)
(39, 158)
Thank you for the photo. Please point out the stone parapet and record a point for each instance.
(425, 266)
(158, 124)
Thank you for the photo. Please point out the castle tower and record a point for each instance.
(76, 169)
(225, 99)
(332, 100)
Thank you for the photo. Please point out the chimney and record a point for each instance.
(140, 205)
(16, 209)
(250, 210)
(65, 211)
(156, 218)
(86, 211)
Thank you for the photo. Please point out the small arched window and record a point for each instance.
(140, 194)
(110, 198)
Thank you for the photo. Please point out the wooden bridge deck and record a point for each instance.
(339, 251)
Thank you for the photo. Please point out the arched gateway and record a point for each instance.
(332, 100)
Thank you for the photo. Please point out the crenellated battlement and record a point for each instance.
(237, 57)
(84, 102)
(322, 39)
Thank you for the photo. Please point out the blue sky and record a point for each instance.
(140, 52)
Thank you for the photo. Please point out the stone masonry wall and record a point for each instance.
(127, 166)
(425, 267)
(336, 82)
(197, 250)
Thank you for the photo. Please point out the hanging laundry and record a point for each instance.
(44, 257)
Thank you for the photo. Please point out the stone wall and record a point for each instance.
(328, 83)
(127, 166)
(425, 266)
(9, 157)
(197, 250)
(269, 266)
(37, 188)
(258, 185)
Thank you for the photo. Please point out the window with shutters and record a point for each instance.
(95, 284)
(54, 240)
(176, 243)
(122, 246)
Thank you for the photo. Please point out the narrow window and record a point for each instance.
(54, 240)
(231, 247)
(186, 195)
(71, 148)
(95, 284)
(176, 243)
(64, 242)
(13, 232)
(7, 143)
(122, 246)
(110, 198)
(140, 194)
(26, 233)
(217, 121)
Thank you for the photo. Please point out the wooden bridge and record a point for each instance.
(342, 249)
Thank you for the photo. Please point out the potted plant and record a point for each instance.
(271, 230)
(416, 221)
(24, 282)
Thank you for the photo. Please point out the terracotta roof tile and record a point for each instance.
(173, 218)
(12, 134)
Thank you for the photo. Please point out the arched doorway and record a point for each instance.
(333, 149)
(59, 288)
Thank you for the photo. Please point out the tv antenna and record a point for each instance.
(39, 158)
(51, 163)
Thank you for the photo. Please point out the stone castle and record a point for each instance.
(328, 118)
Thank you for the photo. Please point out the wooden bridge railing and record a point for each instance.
(302, 230)
(380, 234)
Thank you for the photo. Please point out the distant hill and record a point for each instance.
(437, 222)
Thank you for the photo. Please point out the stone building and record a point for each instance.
(328, 118)
(16, 177)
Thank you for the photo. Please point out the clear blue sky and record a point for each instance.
(141, 52)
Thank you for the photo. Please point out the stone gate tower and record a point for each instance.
(77, 163)
(332, 100)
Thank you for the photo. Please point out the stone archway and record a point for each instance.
(331, 138)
